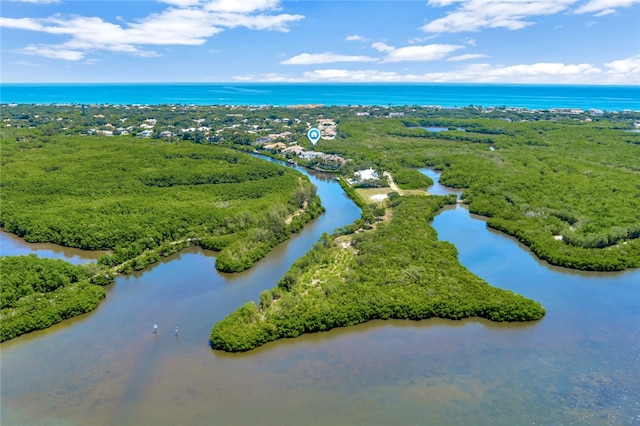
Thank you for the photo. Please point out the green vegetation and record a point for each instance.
(567, 189)
(370, 212)
(410, 179)
(142, 199)
(383, 273)
(98, 178)
(36, 293)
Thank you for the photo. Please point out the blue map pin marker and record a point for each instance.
(314, 135)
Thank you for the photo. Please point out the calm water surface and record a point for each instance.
(11, 245)
(579, 365)
(610, 98)
(437, 188)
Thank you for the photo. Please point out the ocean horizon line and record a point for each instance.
(314, 83)
(447, 95)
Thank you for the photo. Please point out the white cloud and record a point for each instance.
(28, 64)
(354, 37)
(604, 6)
(246, 77)
(21, 24)
(269, 77)
(54, 52)
(171, 27)
(190, 24)
(350, 76)
(255, 22)
(467, 57)
(605, 12)
(416, 40)
(324, 58)
(382, 47)
(625, 69)
(473, 15)
(542, 71)
(547, 73)
(428, 52)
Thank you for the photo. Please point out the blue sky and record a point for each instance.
(496, 41)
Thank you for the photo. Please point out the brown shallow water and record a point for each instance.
(579, 365)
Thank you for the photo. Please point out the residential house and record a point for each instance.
(368, 174)
(278, 146)
(295, 150)
(335, 158)
(310, 155)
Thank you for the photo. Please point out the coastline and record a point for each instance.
(445, 95)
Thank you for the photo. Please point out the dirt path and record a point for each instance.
(392, 184)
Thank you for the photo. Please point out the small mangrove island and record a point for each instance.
(397, 269)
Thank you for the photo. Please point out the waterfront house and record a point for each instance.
(368, 174)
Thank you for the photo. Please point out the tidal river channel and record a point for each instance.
(579, 365)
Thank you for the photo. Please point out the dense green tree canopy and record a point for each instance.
(382, 273)
(131, 195)
(36, 293)
(570, 189)
(566, 186)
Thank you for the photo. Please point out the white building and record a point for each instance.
(368, 174)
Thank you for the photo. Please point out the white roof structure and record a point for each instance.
(368, 174)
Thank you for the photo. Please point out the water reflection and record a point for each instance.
(589, 340)
(437, 188)
(11, 245)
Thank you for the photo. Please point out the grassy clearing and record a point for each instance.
(379, 195)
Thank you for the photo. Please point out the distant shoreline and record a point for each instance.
(553, 110)
(445, 95)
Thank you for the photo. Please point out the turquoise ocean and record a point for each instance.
(607, 98)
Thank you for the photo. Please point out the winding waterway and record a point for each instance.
(579, 365)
